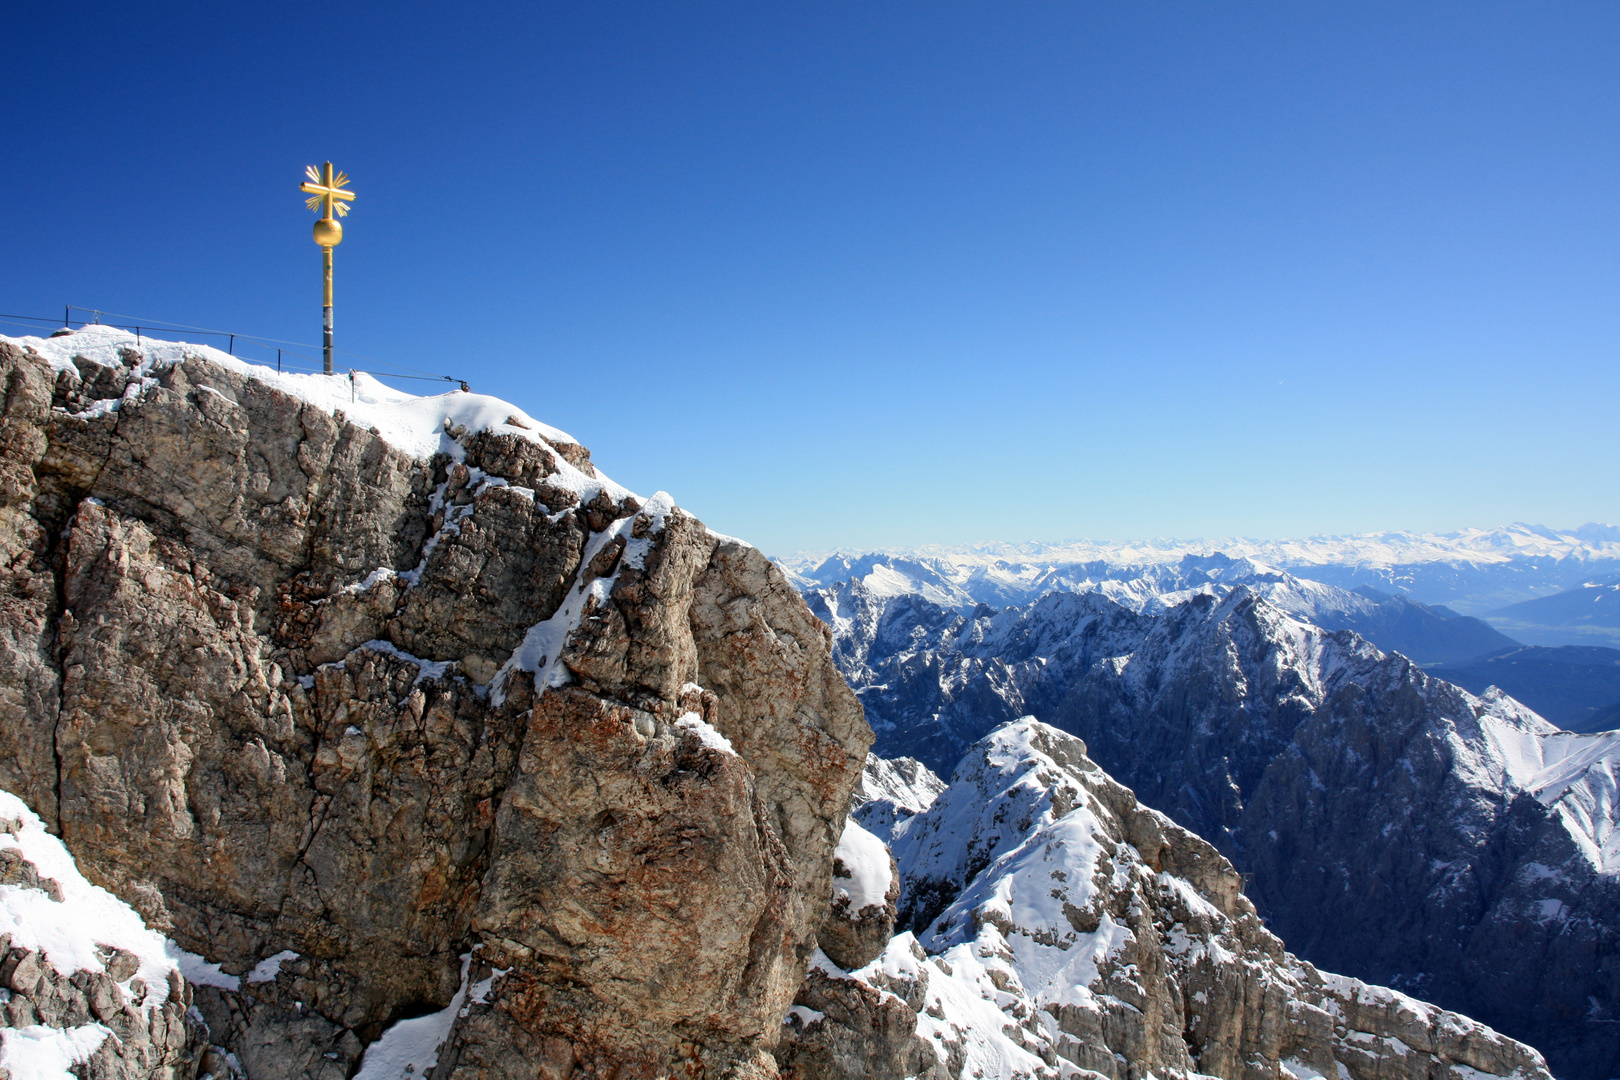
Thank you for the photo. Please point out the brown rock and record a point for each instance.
(251, 643)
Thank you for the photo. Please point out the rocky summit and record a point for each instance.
(475, 736)
(345, 733)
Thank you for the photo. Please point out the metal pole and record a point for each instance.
(67, 314)
(232, 349)
(278, 361)
(326, 311)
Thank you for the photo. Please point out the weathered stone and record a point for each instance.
(845, 1029)
(259, 651)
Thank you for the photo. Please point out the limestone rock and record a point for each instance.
(843, 1026)
(307, 688)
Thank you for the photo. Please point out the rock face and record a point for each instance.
(1394, 826)
(289, 688)
(1066, 931)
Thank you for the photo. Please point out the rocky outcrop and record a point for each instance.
(1395, 827)
(866, 887)
(864, 1025)
(388, 684)
(1066, 930)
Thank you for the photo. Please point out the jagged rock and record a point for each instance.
(1070, 927)
(848, 1027)
(388, 692)
(1394, 827)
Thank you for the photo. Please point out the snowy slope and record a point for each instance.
(90, 985)
(1079, 934)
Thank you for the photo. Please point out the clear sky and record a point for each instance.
(877, 274)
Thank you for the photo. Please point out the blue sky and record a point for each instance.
(861, 275)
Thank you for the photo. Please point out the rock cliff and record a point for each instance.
(502, 770)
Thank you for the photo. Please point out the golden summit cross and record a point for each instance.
(326, 193)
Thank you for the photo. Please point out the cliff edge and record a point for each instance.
(455, 757)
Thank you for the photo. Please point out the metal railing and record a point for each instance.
(288, 354)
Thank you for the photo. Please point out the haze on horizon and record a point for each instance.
(837, 276)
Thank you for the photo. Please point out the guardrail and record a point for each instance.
(287, 354)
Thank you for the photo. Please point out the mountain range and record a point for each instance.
(1474, 572)
(1393, 826)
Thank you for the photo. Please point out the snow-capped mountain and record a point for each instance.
(1395, 827)
(892, 790)
(1065, 930)
(1473, 571)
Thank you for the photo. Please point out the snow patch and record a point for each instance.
(705, 732)
(410, 1048)
(72, 932)
(267, 969)
(866, 879)
(37, 1052)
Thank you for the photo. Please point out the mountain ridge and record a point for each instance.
(1327, 769)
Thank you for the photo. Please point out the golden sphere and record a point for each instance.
(328, 233)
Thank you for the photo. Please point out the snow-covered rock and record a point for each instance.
(1329, 771)
(1071, 931)
(866, 886)
(891, 790)
(89, 989)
